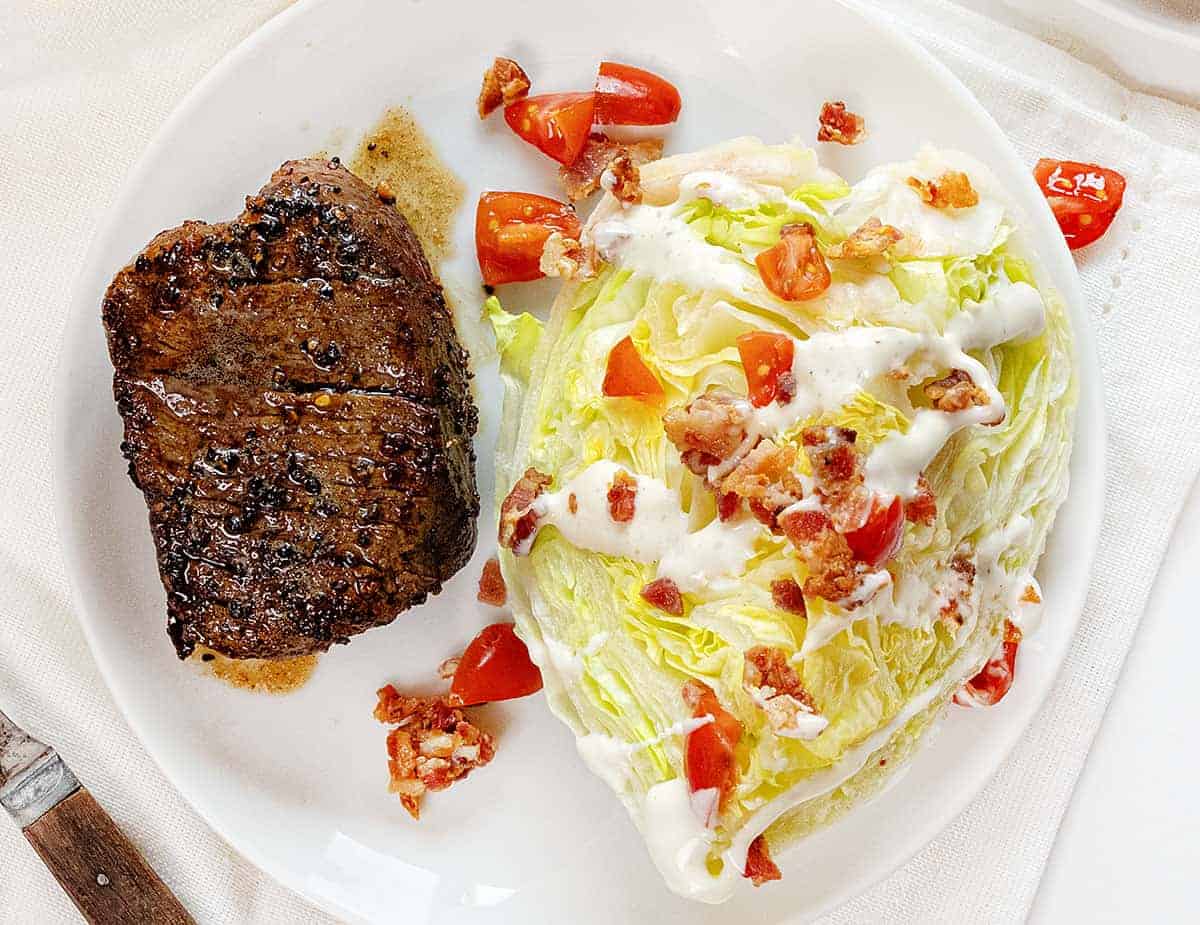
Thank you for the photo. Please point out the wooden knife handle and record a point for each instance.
(103, 873)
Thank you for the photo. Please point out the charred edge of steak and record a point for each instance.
(298, 416)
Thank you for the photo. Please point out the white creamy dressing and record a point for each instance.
(884, 193)
(659, 531)
(609, 758)
(724, 189)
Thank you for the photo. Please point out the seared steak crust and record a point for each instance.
(298, 416)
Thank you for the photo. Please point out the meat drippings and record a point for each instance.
(261, 675)
(399, 155)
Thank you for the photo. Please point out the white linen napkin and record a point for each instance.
(83, 88)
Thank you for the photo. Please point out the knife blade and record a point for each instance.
(100, 870)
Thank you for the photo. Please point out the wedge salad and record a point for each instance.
(776, 474)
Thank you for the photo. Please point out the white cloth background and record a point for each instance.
(83, 88)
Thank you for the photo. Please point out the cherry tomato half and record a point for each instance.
(879, 538)
(628, 376)
(495, 666)
(557, 124)
(794, 269)
(996, 678)
(1084, 197)
(510, 231)
(766, 357)
(628, 95)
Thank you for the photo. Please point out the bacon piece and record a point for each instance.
(956, 392)
(566, 258)
(766, 478)
(837, 467)
(664, 594)
(833, 571)
(921, 508)
(789, 596)
(1030, 595)
(760, 868)
(837, 123)
(623, 180)
(965, 569)
(518, 523)
(572, 503)
(582, 178)
(492, 589)
(432, 746)
(952, 190)
(768, 666)
(728, 506)
(622, 497)
(503, 83)
(707, 431)
(870, 239)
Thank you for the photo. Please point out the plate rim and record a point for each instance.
(1089, 420)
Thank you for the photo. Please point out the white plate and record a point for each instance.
(298, 784)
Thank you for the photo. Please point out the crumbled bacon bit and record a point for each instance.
(956, 392)
(432, 746)
(517, 522)
(839, 124)
(950, 614)
(622, 497)
(664, 594)
(965, 569)
(565, 258)
(572, 503)
(788, 596)
(760, 868)
(582, 178)
(728, 506)
(623, 180)
(870, 239)
(492, 589)
(503, 83)
(952, 190)
(833, 572)
(785, 388)
(768, 666)
(837, 467)
(1030, 595)
(712, 425)
(766, 478)
(921, 508)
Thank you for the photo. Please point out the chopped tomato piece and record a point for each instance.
(1084, 197)
(495, 666)
(628, 376)
(709, 761)
(760, 868)
(557, 124)
(878, 539)
(794, 269)
(511, 230)
(996, 678)
(766, 357)
(628, 95)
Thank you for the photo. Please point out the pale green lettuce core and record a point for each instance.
(630, 659)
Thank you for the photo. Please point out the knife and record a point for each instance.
(105, 876)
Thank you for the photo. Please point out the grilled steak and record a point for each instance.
(297, 415)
